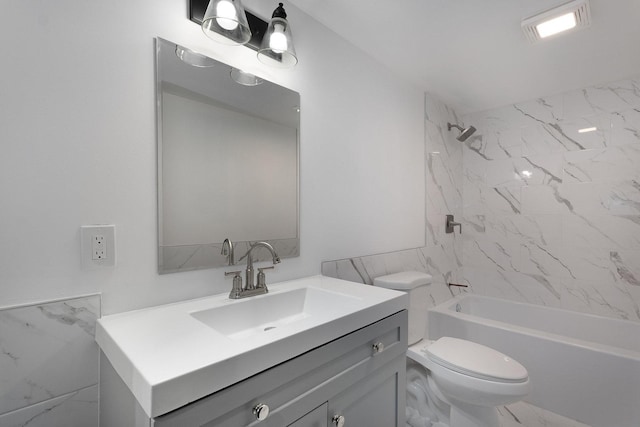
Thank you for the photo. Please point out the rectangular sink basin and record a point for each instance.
(267, 313)
(175, 354)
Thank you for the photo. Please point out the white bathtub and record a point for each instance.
(582, 366)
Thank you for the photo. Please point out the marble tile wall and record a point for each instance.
(49, 364)
(551, 195)
(442, 254)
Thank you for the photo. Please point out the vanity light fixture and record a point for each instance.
(573, 15)
(225, 21)
(277, 44)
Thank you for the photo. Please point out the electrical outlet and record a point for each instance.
(98, 246)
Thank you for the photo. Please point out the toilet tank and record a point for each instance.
(415, 283)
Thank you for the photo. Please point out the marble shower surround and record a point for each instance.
(49, 364)
(552, 214)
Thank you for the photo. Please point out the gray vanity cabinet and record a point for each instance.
(315, 418)
(359, 377)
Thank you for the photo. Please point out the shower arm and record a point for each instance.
(450, 125)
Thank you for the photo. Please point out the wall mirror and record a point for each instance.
(227, 162)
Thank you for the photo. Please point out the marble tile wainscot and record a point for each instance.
(49, 364)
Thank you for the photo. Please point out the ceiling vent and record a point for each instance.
(567, 17)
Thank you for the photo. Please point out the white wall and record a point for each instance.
(78, 147)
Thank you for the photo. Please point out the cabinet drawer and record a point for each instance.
(375, 401)
(315, 418)
(297, 386)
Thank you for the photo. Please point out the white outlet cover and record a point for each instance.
(87, 233)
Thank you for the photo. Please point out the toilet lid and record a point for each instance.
(475, 360)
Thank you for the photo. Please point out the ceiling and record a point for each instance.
(473, 54)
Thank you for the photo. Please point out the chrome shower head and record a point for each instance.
(465, 133)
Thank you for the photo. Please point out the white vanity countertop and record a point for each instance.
(168, 358)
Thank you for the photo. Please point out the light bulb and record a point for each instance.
(226, 15)
(557, 25)
(278, 40)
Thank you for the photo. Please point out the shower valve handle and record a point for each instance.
(451, 224)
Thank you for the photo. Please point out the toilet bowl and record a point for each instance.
(452, 382)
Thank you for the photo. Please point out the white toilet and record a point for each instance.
(452, 382)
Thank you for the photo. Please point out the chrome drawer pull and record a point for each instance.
(261, 411)
(338, 420)
(378, 348)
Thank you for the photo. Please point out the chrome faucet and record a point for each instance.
(250, 288)
(249, 284)
(227, 249)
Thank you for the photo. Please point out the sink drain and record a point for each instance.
(268, 328)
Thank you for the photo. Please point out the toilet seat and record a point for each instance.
(469, 373)
(470, 359)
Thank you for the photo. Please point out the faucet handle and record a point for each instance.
(262, 282)
(451, 224)
(237, 284)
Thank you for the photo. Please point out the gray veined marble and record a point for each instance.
(507, 198)
(607, 98)
(192, 257)
(521, 414)
(552, 213)
(624, 270)
(492, 201)
(617, 232)
(47, 350)
(547, 109)
(76, 409)
(625, 127)
(445, 186)
(491, 254)
(608, 165)
(594, 198)
(606, 299)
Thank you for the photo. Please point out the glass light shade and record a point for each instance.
(277, 44)
(225, 21)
